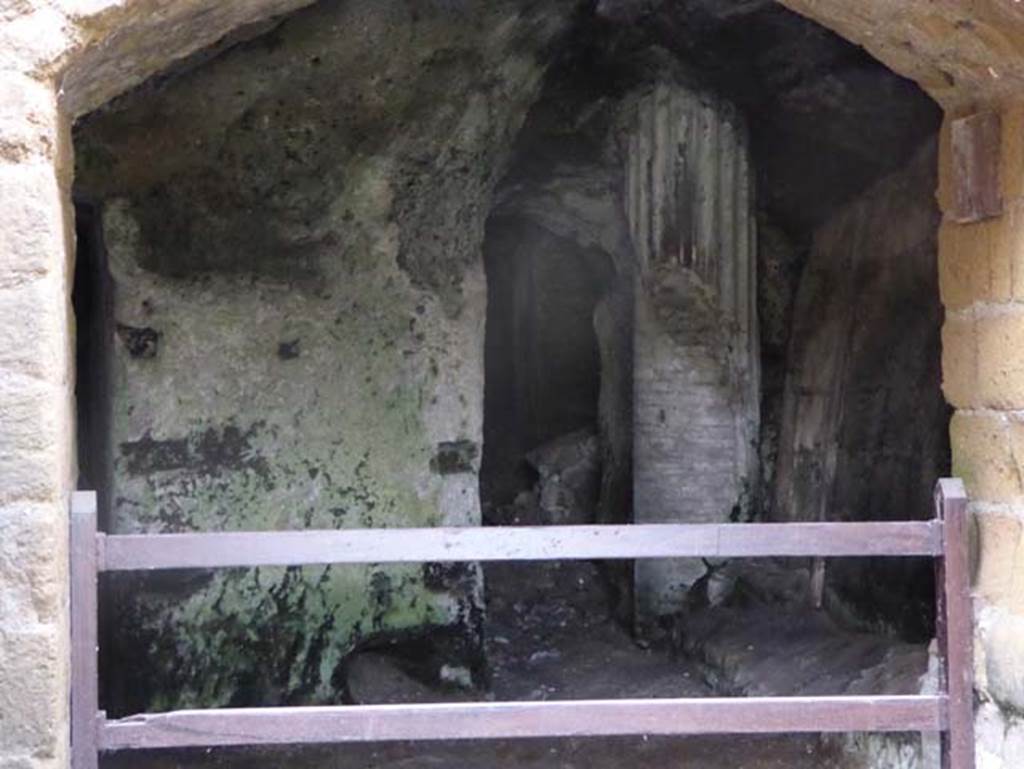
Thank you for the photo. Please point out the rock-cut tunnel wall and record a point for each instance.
(293, 235)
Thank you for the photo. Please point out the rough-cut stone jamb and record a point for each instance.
(88, 51)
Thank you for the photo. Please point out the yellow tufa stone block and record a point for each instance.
(32, 238)
(29, 120)
(34, 438)
(1006, 254)
(960, 362)
(1000, 362)
(999, 648)
(1000, 575)
(984, 456)
(32, 670)
(965, 264)
(982, 262)
(961, 272)
(1012, 162)
(34, 329)
(33, 564)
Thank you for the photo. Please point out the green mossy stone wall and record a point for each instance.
(293, 228)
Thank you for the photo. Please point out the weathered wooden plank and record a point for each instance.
(528, 543)
(976, 147)
(954, 624)
(84, 667)
(501, 720)
(910, 538)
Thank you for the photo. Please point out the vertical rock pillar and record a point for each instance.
(690, 209)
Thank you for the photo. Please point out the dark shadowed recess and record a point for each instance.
(844, 152)
(91, 299)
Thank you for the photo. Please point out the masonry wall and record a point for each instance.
(36, 470)
(981, 269)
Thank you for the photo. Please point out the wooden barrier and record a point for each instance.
(950, 712)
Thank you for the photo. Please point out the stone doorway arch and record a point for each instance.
(63, 58)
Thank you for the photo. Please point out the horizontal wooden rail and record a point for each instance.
(517, 543)
(501, 720)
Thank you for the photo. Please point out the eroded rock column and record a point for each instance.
(689, 203)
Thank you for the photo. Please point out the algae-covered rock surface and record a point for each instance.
(292, 229)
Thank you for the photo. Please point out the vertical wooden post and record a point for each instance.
(84, 623)
(954, 620)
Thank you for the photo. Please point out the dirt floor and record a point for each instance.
(693, 753)
(549, 636)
